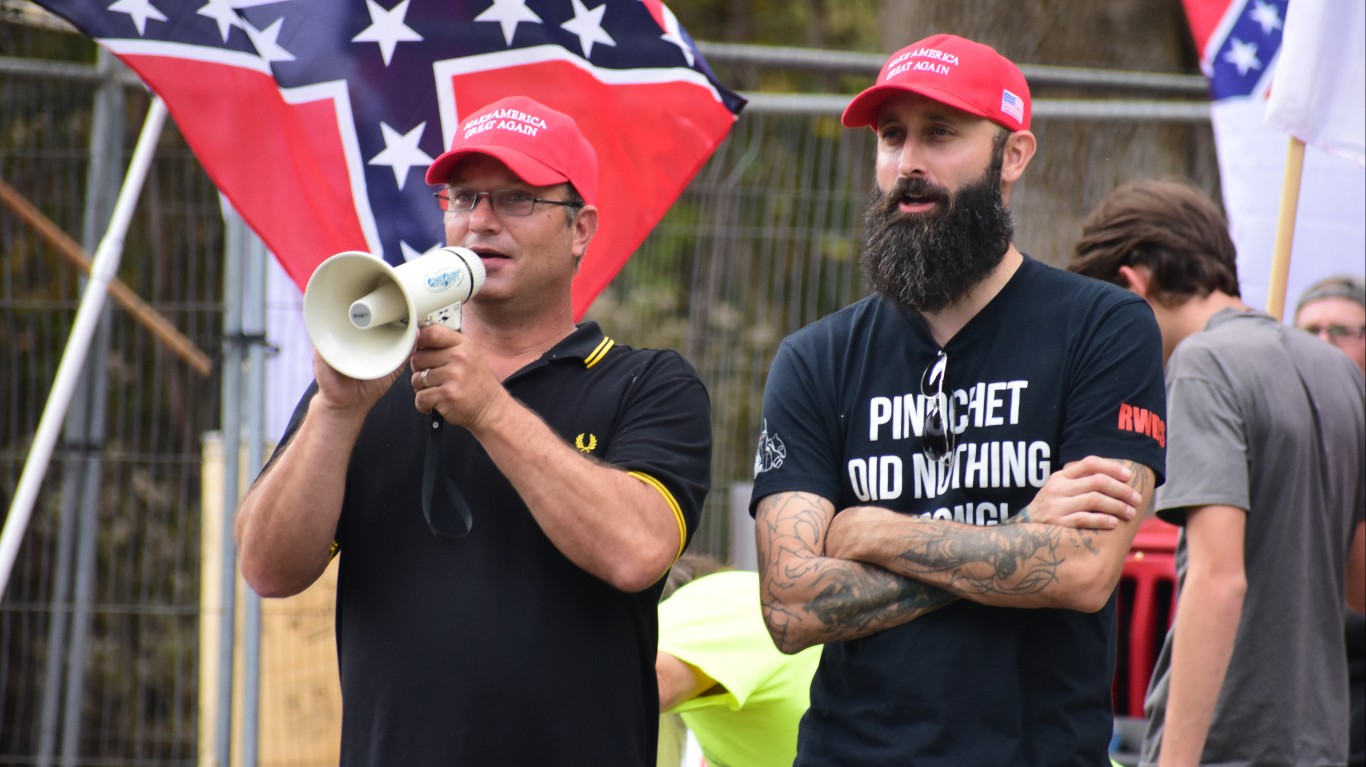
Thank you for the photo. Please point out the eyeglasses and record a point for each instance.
(937, 431)
(506, 202)
(1341, 335)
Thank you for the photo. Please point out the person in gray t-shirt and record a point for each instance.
(1266, 435)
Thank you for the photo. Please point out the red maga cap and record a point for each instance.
(542, 146)
(951, 70)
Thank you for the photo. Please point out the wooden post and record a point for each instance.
(1285, 229)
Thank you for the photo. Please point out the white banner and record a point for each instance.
(1330, 230)
(1318, 93)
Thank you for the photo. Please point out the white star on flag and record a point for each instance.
(223, 13)
(401, 152)
(140, 11)
(409, 252)
(1243, 56)
(509, 13)
(673, 36)
(1267, 16)
(264, 42)
(588, 26)
(387, 29)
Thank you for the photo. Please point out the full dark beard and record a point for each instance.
(928, 261)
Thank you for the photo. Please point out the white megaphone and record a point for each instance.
(363, 314)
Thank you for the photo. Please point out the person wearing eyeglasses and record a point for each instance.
(915, 444)
(1334, 309)
(1265, 477)
(526, 635)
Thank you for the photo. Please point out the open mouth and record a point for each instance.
(917, 195)
(917, 203)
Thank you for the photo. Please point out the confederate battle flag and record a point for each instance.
(318, 118)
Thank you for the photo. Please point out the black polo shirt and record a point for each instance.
(494, 648)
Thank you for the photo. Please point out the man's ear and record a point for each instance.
(585, 225)
(1138, 278)
(1020, 148)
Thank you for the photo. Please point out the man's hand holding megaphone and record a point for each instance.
(339, 391)
(452, 379)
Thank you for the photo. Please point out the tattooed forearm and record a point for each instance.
(1001, 564)
(812, 599)
(837, 600)
(1143, 481)
(857, 599)
(1006, 559)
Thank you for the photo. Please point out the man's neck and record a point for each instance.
(1204, 309)
(1194, 315)
(510, 343)
(945, 323)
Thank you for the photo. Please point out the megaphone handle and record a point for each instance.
(431, 469)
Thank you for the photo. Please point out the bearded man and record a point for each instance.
(973, 439)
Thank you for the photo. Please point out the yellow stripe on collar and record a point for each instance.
(599, 353)
(673, 506)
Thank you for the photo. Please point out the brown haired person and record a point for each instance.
(1261, 420)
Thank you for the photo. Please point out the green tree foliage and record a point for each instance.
(834, 24)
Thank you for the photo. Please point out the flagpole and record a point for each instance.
(102, 270)
(1285, 228)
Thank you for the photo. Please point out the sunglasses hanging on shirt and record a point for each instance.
(938, 441)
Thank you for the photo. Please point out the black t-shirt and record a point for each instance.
(495, 648)
(1056, 367)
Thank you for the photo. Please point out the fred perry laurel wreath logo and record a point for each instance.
(586, 447)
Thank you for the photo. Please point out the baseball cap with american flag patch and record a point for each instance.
(952, 70)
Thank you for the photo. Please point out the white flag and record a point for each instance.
(1318, 93)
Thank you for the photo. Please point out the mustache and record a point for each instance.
(914, 187)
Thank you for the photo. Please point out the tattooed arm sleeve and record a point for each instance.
(809, 598)
(1014, 565)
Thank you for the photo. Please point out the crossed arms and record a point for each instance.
(827, 577)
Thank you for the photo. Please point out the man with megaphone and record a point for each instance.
(505, 498)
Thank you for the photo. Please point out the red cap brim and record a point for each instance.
(527, 168)
(863, 109)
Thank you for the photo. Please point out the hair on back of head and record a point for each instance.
(689, 568)
(1350, 287)
(1168, 226)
